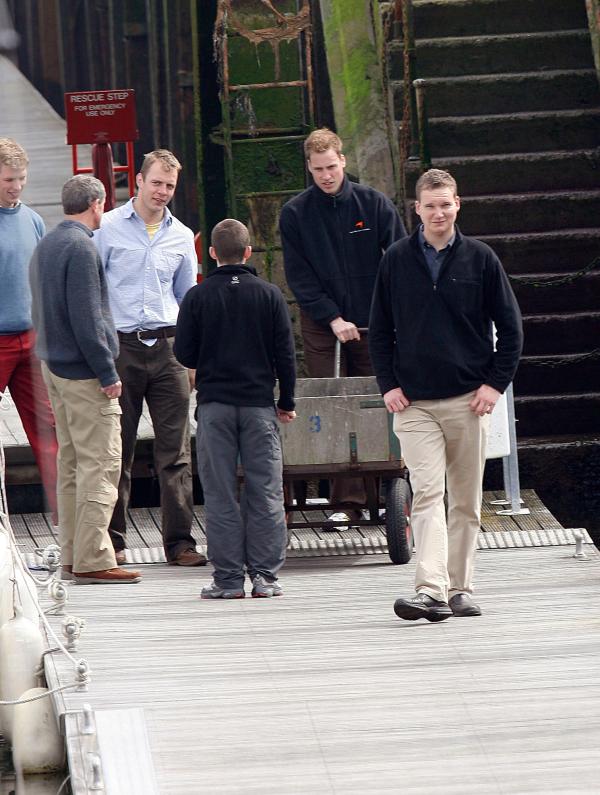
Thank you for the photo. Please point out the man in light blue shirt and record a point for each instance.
(150, 264)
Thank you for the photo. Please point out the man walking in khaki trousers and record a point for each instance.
(77, 343)
(431, 342)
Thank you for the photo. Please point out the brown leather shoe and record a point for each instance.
(121, 557)
(66, 573)
(189, 557)
(107, 576)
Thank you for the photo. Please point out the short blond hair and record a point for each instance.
(433, 179)
(320, 141)
(12, 154)
(163, 156)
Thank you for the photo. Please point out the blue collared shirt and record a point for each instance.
(435, 259)
(146, 279)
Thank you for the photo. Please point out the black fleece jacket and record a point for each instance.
(435, 340)
(332, 246)
(235, 330)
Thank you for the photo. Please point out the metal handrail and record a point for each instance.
(404, 14)
(423, 126)
(414, 138)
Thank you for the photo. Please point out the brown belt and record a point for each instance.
(148, 334)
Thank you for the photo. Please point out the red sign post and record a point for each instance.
(101, 118)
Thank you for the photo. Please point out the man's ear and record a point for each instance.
(247, 253)
(138, 180)
(213, 253)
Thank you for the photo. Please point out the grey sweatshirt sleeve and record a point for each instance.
(83, 293)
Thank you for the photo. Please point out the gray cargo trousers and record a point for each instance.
(250, 535)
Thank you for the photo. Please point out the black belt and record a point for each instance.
(148, 334)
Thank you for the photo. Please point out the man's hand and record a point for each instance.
(395, 400)
(285, 416)
(344, 330)
(484, 401)
(112, 390)
(192, 377)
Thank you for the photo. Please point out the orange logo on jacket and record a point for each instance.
(359, 226)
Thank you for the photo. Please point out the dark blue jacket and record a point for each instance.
(332, 246)
(235, 330)
(434, 340)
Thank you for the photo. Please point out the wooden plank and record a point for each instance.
(325, 690)
(146, 527)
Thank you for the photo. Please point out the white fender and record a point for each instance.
(24, 593)
(41, 784)
(21, 647)
(26, 596)
(37, 746)
(6, 568)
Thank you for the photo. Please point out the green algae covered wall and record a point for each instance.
(353, 48)
(593, 10)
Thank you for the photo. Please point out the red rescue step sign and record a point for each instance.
(98, 117)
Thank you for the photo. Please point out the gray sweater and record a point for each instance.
(76, 336)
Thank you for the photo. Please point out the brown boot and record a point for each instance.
(189, 557)
(107, 576)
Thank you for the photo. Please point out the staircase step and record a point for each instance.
(572, 414)
(517, 173)
(468, 55)
(442, 18)
(454, 136)
(550, 334)
(531, 212)
(478, 95)
(562, 251)
(548, 374)
(580, 295)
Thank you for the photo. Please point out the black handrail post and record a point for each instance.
(408, 33)
(424, 153)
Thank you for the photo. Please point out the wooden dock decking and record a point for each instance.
(326, 691)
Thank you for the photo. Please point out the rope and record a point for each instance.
(62, 786)
(561, 361)
(39, 696)
(557, 281)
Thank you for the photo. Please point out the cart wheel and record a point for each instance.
(397, 520)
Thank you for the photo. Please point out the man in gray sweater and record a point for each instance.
(77, 343)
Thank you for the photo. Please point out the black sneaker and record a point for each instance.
(422, 606)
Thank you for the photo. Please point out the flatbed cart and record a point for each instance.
(344, 430)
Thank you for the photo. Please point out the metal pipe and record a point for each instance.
(510, 463)
(424, 154)
(408, 33)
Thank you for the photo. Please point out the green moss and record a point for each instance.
(268, 166)
(351, 54)
(271, 108)
(249, 63)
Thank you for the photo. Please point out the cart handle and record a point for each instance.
(338, 353)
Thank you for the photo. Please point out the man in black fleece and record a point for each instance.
(77, 343)
(234, 329)
(431, 341)
(333, 235)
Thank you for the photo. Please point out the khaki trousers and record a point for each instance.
(88, 430)
(443, 444)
